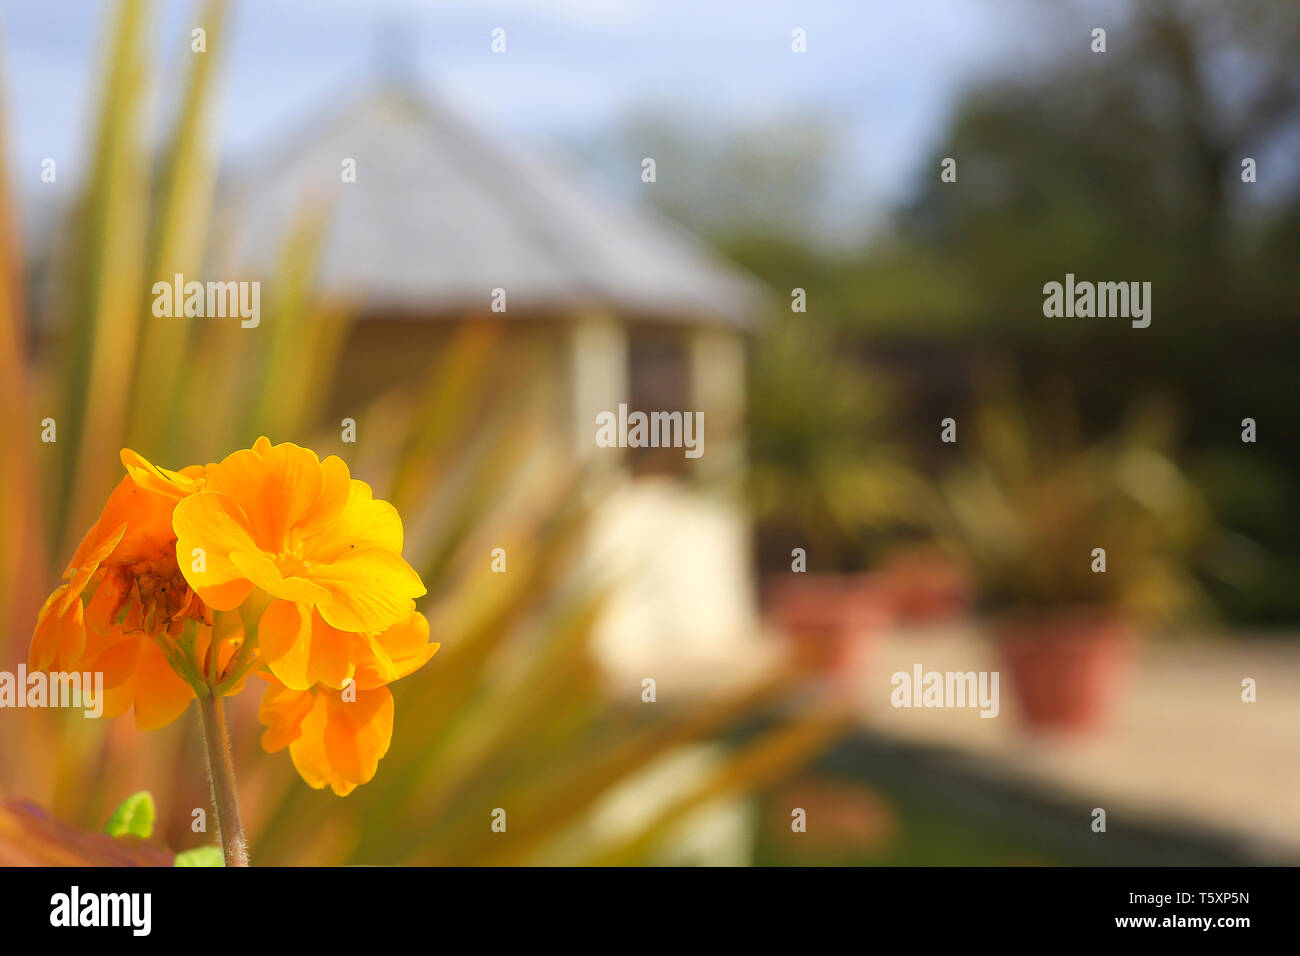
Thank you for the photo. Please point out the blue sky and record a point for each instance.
(884, 72)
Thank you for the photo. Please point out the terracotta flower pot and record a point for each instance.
(829, 617)
(1065, 666)
(926, 586)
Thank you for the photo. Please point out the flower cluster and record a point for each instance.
(271, 562)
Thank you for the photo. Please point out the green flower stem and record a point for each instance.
(221, 773)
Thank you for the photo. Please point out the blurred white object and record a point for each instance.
(683, 609)
(720, 832)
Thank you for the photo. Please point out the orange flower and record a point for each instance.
(276, 517)
(137, 672)
(331, 741)
(60, 637)
(139, 602)
(302, 649)
(147, 601)
(394, 653)
(335, 736)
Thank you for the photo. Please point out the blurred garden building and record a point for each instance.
(429, 225)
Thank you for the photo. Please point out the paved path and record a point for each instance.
(1182, 746)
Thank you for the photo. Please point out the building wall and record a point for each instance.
(381, 355)
(673, 532)
(673, 537)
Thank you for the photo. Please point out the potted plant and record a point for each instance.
(828, 618)
(1074, 547)
(825, 484)
(926, 585)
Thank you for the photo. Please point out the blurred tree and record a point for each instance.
(1127, 166)
(1130, 162)
(1117, 166)
(826, 475)
(771, 178)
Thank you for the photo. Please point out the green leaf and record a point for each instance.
(200, 856)
(133, 818)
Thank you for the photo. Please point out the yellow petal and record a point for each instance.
(105, 602)
(118, 661)
(369, 590)
(308, 751)
(275, 485)
(160, 695)
(159, 480)
(148, 520)
(282, 710)
(228, 596)
(117, 700)
(261, 570)
(365, 522)
(333, 654)
(358, 733)
(401, 650)
(81, 576)
(59, 638)
(334, 495)
(214, 525)
(284, 636)
(302, 650)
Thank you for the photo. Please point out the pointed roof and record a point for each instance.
(439, 216)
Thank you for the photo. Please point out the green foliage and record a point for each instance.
(824, 472)
(200, 856)
(133, 817)
(1124, 166)
(1028, 507)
